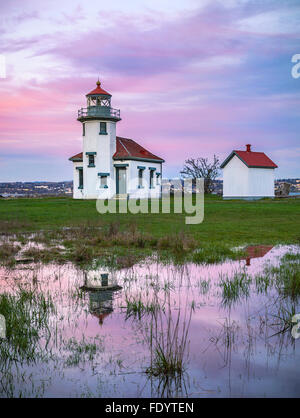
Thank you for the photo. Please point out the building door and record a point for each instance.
(121, 180)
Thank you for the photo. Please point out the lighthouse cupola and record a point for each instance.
(98, 106)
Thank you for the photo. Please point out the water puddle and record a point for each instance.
(221, 329)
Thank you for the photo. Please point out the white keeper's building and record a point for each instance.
(248, 175)
(110, 165)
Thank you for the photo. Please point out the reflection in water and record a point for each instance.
(100, 280)
(256, 251)
(101, 304)
(241, 348)
(101, 286)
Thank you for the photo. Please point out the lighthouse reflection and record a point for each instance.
(101, 304)
(101, 287)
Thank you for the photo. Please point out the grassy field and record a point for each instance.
(226, 224)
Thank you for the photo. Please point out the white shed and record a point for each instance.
(248, 175)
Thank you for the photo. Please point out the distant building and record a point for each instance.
(110, 165)
(248, 175)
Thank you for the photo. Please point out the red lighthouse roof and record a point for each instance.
(127, 149)
(251, 159)
(98, 90)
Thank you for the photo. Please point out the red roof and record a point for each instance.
(251, 159)
(127, 149)
(98, 90)
(77, 157)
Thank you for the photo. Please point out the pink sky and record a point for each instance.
(191, 79)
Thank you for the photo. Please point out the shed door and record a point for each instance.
(121, 180)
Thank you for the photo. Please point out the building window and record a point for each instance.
(80, 178)
(104, 279)
(157, 178)
(91, 161)
(103, 130)
(83, 129)
(91, 158)
(140, 182)
(140, 178)
(103, 180)
(152, 170)
(151, 178)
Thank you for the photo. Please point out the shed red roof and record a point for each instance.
(251, 159)
(256, 159)
(127, 149)
(98, 90)
(257, 251)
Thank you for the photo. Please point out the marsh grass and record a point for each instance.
(168, 341)
(137, 308)
(283, 319)
(83, 351)
(215, 253)
(92, 240)
(236, 287)
(26, 314)
(204, 286)
(45, 255)
(290, 257)
(263, 283)
(8, 251)
(286, 276)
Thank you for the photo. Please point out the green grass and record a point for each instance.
(233, 222)
(86, 234)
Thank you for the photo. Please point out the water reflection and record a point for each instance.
(101, 304)
(241, 348)
(100, 280)
(256, 251)
(100, 285)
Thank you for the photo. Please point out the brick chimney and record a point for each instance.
(248, 147)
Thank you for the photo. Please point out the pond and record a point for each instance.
(152, 330)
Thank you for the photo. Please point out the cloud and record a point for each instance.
(198, 82)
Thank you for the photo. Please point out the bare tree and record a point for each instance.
(202, 168)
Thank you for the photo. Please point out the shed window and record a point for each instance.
(103, 130)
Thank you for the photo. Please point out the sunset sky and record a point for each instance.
(191, 77)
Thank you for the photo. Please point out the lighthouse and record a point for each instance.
(110, 165)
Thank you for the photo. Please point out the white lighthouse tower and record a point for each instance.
(110, 165)
(99, 121)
